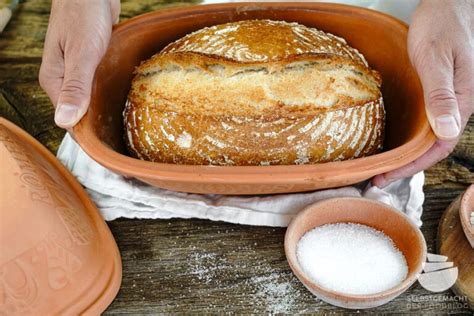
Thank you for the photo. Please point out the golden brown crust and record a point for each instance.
(264, 140)
(262, 41)
(255, 93)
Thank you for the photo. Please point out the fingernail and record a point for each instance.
(66, 115)
(446, 126)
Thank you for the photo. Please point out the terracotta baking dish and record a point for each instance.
(381, 38)
(396, 225)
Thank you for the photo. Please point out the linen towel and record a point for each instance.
(117, 196)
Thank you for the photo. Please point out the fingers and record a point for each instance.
(115, 10)
(51, 80)
(442, 109)
(437, 32)
(439, 151)
(52, 66)
(74, 94)
(82, 55)
(77, 38)
(440, 48)
(464, 79)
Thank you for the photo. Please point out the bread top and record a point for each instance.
(256, 67)
(253, 41)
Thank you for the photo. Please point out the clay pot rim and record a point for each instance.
(465, 209)
(276, 174)
(355, 298)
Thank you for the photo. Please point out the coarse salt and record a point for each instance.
(351, 258)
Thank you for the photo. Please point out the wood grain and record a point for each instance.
(197, 266)
(452, 242)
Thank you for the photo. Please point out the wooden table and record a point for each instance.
(198, 265)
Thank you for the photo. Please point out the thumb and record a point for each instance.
(441, 104)
(443, 114)
(74, 96)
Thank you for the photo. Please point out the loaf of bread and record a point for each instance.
(256, 92)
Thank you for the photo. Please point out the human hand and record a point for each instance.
(78, 35)
(441, 48)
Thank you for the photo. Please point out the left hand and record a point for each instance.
(77, 38)
(441, 48)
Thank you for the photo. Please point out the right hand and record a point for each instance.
(78, 35)
(440, 45)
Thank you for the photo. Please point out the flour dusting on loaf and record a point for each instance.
(255, 92)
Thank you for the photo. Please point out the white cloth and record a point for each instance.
(117, 197)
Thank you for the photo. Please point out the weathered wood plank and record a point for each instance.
(458, 169)
(210, 266)
(24, 35)
(23, 96)
(131, 8)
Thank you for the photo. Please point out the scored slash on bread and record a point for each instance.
(255, 92)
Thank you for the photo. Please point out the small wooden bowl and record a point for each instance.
(381, 38)
(396, 225)
(467, 207)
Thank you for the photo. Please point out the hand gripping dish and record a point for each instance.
(255, 92)
(382, 40)
(57, 255)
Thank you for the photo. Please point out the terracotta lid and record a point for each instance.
(57, 255)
